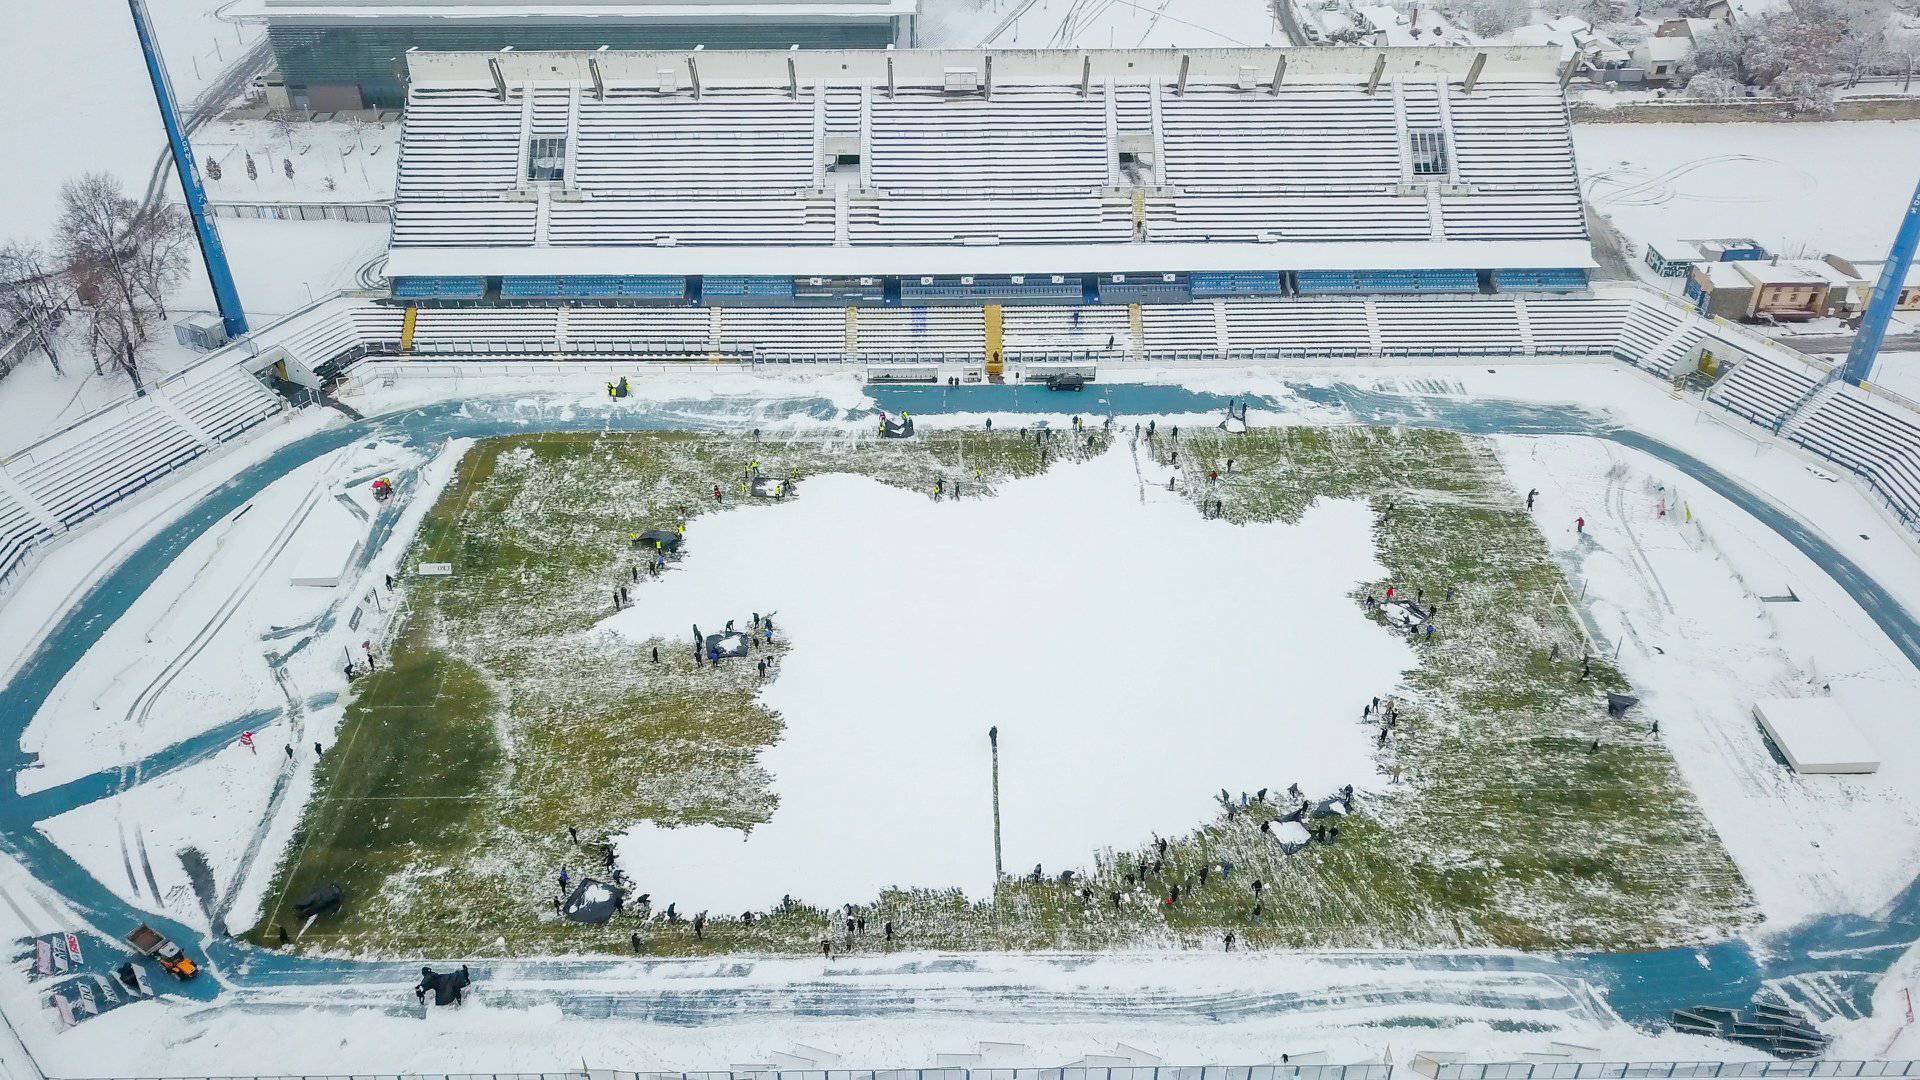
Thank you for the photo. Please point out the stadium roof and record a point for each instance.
(326, 11)
(870, 162)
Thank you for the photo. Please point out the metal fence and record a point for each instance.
(1553, 1070)
(1162, 1072)
(951, 1073)
(1631, 1070)
(298, 211)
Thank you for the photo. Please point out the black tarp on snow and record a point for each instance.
(896, 429)
(445, 986)
(593, 901)
(727, 646)
(320, 901)
(1333, 807)
(1618, 704)
(659, 539)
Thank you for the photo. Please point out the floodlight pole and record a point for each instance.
(1886, 294)
(993, 738)
(219, 275)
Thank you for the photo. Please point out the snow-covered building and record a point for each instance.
(1388, 26)
(922, 176)
(1866, 274)
(1691, 29)
(1659, 58)
(350, 54)
(1579, 43)
(1776, 289)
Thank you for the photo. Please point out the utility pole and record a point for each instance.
(219, 275)
(993, 738)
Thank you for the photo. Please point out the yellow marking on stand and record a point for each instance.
(996, 328)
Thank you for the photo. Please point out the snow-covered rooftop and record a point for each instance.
(1724, 275)
(1666, 49)
(1790, 272)
(1671, 250)
(945, 162)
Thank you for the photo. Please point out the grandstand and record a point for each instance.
(69, 477)
(1045, 177)
(928, 214)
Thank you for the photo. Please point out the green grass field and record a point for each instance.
(499, 721)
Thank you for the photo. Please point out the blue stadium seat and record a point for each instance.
(1569, 280)
(1237, 283)
(1144, 289)
(594, 287)
(751, 289)
(992, 287)
(1387, 281)
(439, 288)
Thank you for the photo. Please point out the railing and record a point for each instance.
(371, 212)
(1552, 1070)
(1625, 1070)
(1162, 1072)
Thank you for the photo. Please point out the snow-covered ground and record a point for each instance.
(1676, 574)
(356, 158)
(1679, 593)
(1799, 189)
(1123, 687)
(78, 99)
(280, 267)
(226, 636)
(1099, 24)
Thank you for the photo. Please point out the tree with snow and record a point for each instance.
(1593, 12)
(1796, 52)
(32, 295)
(1715, 86)
(1488, 17)
(122, 260)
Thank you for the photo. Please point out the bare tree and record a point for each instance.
(32, 295)
(160, 254)
(122, 261)
(1862, 45)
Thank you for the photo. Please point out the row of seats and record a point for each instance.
(1877, 440)
(20, 533)
(95, 465)
(1513, 147)
(1646, 327)
(1764, 388)
(222, 402)
(1306, 326)
(1026, 139)
(968, 218)
(80, 472)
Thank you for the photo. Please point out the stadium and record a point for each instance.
(1193, 563)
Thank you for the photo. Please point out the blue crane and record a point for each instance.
(1873, 327)
(219, 275)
